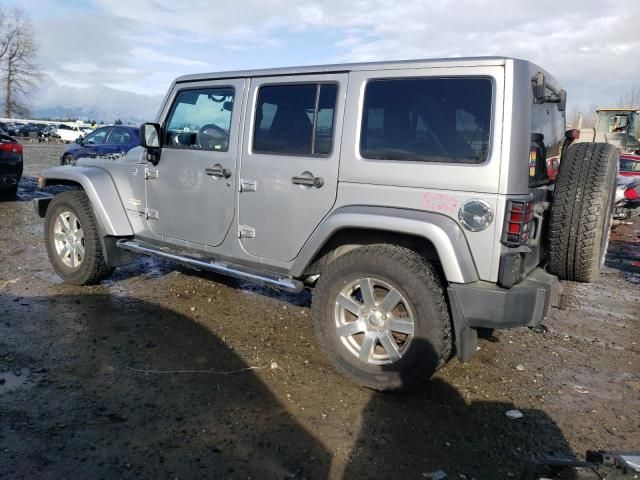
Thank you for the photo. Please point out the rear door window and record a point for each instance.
(119, 136)
(97, 137)
(629, 166)
(295, 119)
(427, 120)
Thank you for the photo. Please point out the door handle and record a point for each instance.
(218, 171)
(306, 179)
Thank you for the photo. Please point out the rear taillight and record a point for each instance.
(631, 193)
(517, 223)
(11, 147)
(573, 134)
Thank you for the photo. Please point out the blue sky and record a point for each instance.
(141, 45)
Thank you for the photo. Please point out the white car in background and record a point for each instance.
(69, 133)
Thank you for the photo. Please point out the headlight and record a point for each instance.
(475, 215)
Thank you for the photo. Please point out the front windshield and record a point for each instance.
(612, 122)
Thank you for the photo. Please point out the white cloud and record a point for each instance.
(150, 54)
(590, 46)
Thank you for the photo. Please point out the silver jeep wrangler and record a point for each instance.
(412, 197)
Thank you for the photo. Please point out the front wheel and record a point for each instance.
(72, 240)
(381, 317)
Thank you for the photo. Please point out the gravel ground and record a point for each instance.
(160, 372)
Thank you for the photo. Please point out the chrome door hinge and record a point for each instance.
(150, 173)
(248, 185)
(151, 214)
(244, 231)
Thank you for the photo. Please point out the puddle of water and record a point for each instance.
(9, 381)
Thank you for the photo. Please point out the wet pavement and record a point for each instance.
(160, 372)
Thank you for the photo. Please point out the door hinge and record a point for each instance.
(150, 173)
(244, 231)
(151, 214)
(248, 185)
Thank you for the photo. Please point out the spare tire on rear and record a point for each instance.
(581, 211)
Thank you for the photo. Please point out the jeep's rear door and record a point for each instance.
(547, 135)
(190, 193)
(290, 157)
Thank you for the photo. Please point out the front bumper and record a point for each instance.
(486, 305)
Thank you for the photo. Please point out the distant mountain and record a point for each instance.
(99, 102)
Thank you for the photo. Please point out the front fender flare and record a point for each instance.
(102, 193)
(443, 232)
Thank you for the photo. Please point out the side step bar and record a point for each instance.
(217, 266)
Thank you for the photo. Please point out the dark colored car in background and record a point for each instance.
(102, 141)
(8, 128)
(27, 130)
(10, 165)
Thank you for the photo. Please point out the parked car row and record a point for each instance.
(106, 140)
(63, 131)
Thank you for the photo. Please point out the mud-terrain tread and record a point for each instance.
(581, 204)
(415, 267)
(94, 267)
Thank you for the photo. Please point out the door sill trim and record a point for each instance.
(273, 280)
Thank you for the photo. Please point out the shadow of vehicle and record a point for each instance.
(89, 405)
(28, 190)
(433, 428)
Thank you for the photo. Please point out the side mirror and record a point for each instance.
(562, 104)
(80, 141)
(150, 139)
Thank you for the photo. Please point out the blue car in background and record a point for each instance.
(102, 141)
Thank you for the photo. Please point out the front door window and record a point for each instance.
(201, 119)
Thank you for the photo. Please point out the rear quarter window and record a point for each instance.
(435, 119)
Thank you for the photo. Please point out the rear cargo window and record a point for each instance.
(427, 120)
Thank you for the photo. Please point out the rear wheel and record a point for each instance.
(381, 317)
(581, 211)
(72, 240)
(68, 160)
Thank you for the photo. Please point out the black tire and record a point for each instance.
(68, 160)
(581, 211)
(416, 280)
(93, 267)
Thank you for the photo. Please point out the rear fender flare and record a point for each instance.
(443, 232)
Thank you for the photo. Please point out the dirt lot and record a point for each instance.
(164, 373)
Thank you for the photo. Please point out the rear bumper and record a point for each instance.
(484, 304)
(10, 173)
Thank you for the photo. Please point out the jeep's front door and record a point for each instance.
(290, 157)
(190, 193)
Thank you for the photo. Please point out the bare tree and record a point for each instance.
(631, 98)
(18, 72)
(578, 118)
